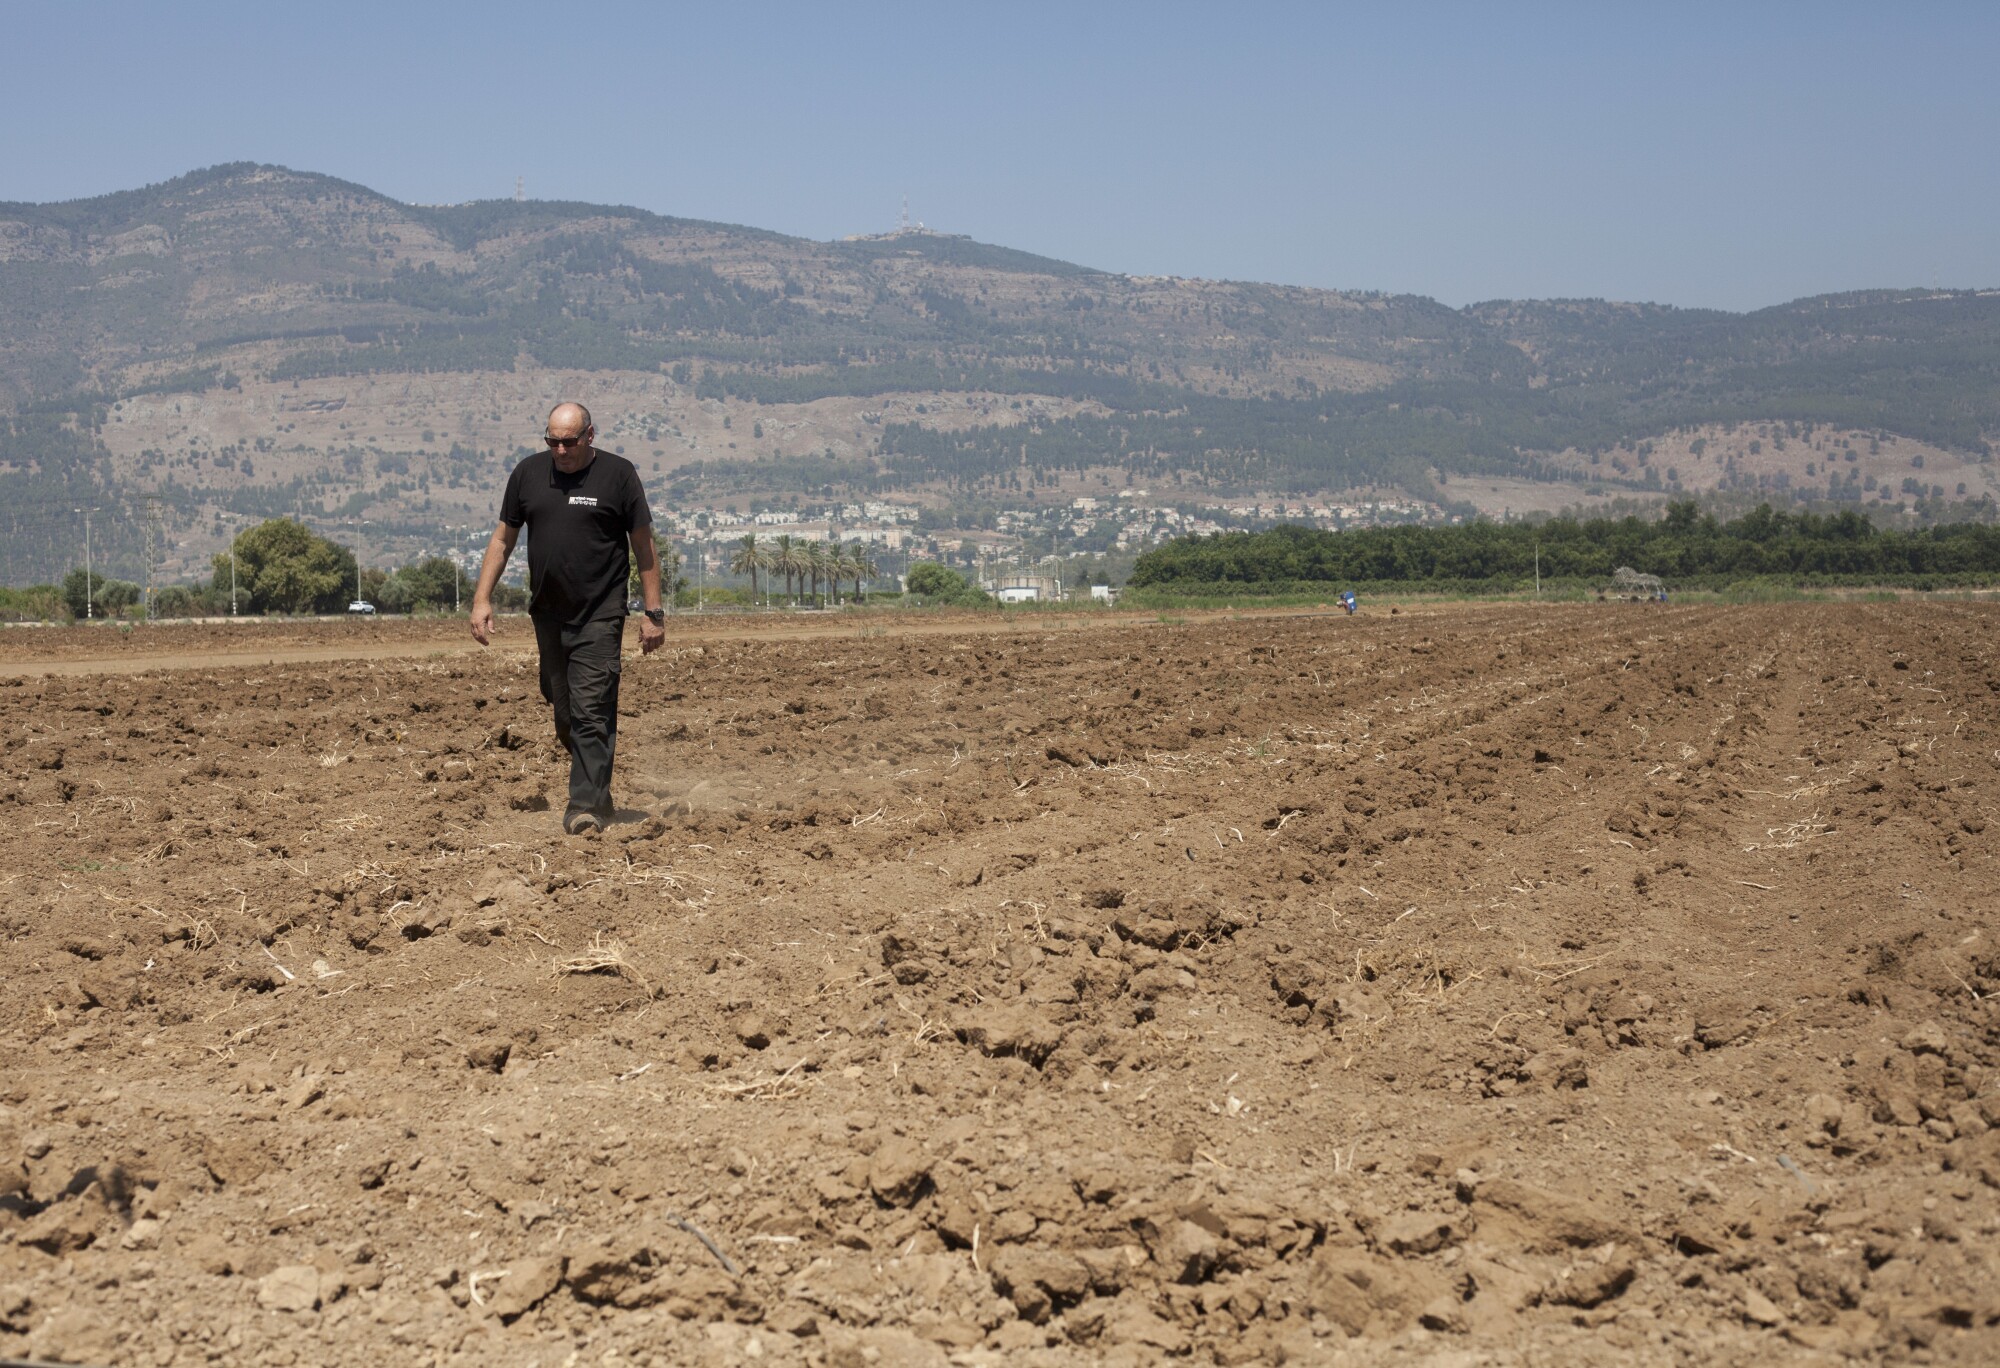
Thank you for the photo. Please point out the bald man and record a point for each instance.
(582, 508)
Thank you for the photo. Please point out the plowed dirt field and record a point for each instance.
(1605, 984)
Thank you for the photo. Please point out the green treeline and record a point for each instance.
(279, 566)
(1685, 548)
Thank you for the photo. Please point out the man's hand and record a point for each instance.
(498, 547)
(651, 636)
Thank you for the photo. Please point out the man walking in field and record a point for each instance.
(583, 509)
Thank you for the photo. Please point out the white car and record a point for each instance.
(361, 606)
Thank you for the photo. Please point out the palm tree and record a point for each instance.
(860, 565)
(749, 559)
(785, 561)
(836, 569)
(817, 560)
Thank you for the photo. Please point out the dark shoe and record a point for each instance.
(583, 823)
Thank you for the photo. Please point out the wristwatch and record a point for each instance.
(657, 616)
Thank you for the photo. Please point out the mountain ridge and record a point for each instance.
(151, 339)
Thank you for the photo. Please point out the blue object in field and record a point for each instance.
(1347, 601)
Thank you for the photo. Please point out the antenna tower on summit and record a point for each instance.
(520, 188)
(903, 224)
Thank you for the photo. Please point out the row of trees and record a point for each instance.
(281, 566)
(1684, 547)
(803, 564)
(278, 566)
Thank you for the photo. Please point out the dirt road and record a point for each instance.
(1582, 985)
(35, 649)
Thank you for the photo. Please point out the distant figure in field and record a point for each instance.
(583, 508)
(1349, 602)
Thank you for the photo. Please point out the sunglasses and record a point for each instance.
(563, 443)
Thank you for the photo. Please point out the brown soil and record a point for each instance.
(1603, 984)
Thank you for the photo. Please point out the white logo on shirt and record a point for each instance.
(583, 499)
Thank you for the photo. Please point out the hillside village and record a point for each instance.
(1117, 525)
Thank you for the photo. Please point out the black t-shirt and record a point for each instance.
(579, 554)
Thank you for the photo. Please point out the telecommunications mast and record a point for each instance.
(520, 189)
(153, 541)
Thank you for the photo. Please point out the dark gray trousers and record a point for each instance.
(580, 667)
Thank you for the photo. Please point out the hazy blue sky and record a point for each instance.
(1730, 155)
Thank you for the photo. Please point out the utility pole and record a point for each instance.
(1055, 552)
(1538, 569)
(153, 539)
(89, 575)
